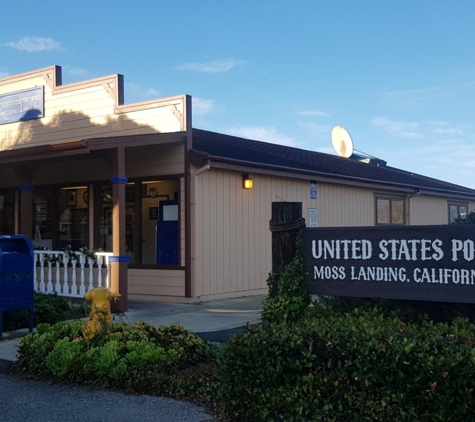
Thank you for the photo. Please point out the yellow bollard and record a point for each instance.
(100, 321)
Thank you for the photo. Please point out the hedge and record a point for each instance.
(362, 365)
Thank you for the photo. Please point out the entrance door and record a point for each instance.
(167, 233)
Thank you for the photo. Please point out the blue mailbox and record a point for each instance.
(16, 276)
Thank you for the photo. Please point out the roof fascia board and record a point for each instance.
(173, 103)
(134, 141)
(113, 84)
(149, 104)
(53, 72)
(43, 152)
(303, 176)
(335, 179)
(85, 146)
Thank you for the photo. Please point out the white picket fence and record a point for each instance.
(56, 272)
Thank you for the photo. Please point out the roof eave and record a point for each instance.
(233, 164)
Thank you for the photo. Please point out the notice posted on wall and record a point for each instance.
(312, 217)
(153, 213)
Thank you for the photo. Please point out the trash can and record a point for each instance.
(16, 276)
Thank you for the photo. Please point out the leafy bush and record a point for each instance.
(468, 219)
(363, 365)
(48, 308)
(339, 363)
(138, 358)
(407, 310)
(288, 299)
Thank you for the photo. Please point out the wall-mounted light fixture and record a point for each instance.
(247, 182)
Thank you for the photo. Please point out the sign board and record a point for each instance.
(170, 212)
(433, 263)
(22, 105)
(153, 213)
(312, 217)
(313, 189)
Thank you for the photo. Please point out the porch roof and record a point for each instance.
(85, 146)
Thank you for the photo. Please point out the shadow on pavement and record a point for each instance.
(221, 336)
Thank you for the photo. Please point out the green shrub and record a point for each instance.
(407, 310)
(47, 308)
(358, 364)
(363, 365)
(468, 219)
(288, 300)
(35, 347)
(138, 358)
(188, 346)
(104, 365)
(64, 360)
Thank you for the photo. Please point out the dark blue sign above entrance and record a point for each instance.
(22, 105)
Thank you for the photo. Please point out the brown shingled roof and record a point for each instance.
(220, 147)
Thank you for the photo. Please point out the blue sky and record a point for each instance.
(398, 75)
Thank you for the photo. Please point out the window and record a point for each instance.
(7, 213)
(159, 227)
(73, 217)
(390, 210)
(82, 216)
(42, 223)
(151, 222)
(457, 210)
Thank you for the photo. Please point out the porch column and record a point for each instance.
(119, 262)
(26, 210)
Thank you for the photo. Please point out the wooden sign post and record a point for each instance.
(285, 224)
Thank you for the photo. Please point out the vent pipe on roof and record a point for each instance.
(368, 159)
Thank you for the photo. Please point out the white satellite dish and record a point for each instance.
(342, 142)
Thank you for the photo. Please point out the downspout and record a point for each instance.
(193, 204)
(202, 169)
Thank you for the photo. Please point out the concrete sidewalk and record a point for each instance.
(217, 318)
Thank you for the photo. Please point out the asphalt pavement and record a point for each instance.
(36, 401)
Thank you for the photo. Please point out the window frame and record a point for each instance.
(390, 198)
(141, 193)
(458, 205)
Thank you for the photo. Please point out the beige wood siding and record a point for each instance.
(428, 210)
(341, 206)
(231, 249)
(156, 283)
(231, 241)
(87, 109)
